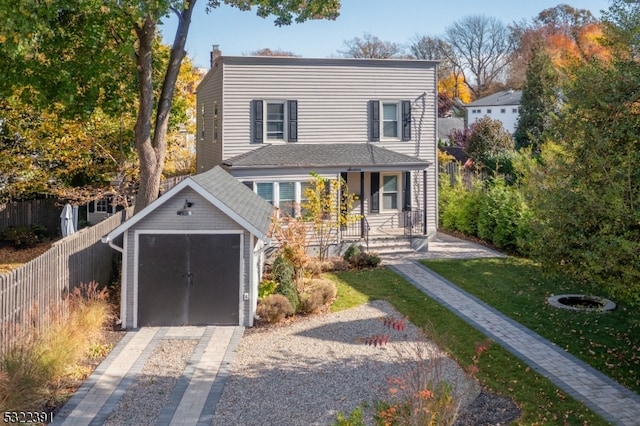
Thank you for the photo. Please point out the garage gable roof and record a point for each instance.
(224, 192)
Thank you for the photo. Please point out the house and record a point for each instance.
(194, 256)
(448, 125)
(271, 121)
(103, 207)
(503, 106)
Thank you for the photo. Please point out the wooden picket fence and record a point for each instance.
(42, 211)
(29, 293)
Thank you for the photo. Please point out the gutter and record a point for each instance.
(106, 240)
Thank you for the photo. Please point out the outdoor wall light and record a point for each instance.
(185, 211)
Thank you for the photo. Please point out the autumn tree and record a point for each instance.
(586, 195)
(569, 35)
(370, 47)
(621, 28)
(52, 34)
(327, 206)
(540, 101)
(181, 155)
(453, 86)
(490, 145)
(482, 49)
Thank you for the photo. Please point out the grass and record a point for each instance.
(11, 258)
(609, 342)
(541, 401)
(33, 371)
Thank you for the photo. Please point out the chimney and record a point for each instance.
(215, 53)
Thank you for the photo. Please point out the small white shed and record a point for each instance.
(194, 256)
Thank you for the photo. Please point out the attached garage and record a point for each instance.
(194, 256)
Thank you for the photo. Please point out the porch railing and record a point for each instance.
(357, 227)
(413, 221)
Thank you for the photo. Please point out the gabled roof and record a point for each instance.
(446, 125)
(457, 152)
(223, 191)
(363, 156)
(506, 97)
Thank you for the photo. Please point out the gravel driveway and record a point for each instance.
(305, 372)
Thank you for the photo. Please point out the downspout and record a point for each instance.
(106, 240)
(362, 219)
(424, 201)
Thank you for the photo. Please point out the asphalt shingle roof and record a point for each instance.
(506, 97)
(236, 196)
(324, 155)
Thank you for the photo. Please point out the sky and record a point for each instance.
(240, 33)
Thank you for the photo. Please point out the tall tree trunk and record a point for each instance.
(152, 147)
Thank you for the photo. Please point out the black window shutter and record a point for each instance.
(109, 208)
(248, 184)
(257, 117)
(292, 107)
(406, 120)
(92, 206)
(406, 192)
(374, 121)
(375, 188)
(343, 176)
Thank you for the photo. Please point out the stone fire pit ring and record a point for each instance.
(581, 303)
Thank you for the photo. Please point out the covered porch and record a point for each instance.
(390, 188)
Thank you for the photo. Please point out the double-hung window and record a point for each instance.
(389, 120)
(390, 192)
(265, 190)
(287, 198)
(274, 120)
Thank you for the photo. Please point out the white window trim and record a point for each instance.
(101, 205)
(285, 134)
(203, 121)
(398, 105)
(398, 193)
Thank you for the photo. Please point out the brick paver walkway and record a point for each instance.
(193, 399)
(612, 401)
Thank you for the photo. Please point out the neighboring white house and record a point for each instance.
(271, 121)
(503, 106)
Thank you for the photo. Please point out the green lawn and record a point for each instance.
(609, 342)
(541, 401)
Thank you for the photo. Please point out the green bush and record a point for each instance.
(360, 259)
(352, 250)
(459, 206)
(367, 260)
(282, 273)
(495, 212)
(274, 308)
(503, 218)
(266, 288)
(21, 237)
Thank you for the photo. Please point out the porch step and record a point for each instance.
(390, 245)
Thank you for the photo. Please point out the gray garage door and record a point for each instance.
(188, 279)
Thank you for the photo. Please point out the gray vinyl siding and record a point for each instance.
(208, 150)
(332, 97)
(205, 217)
